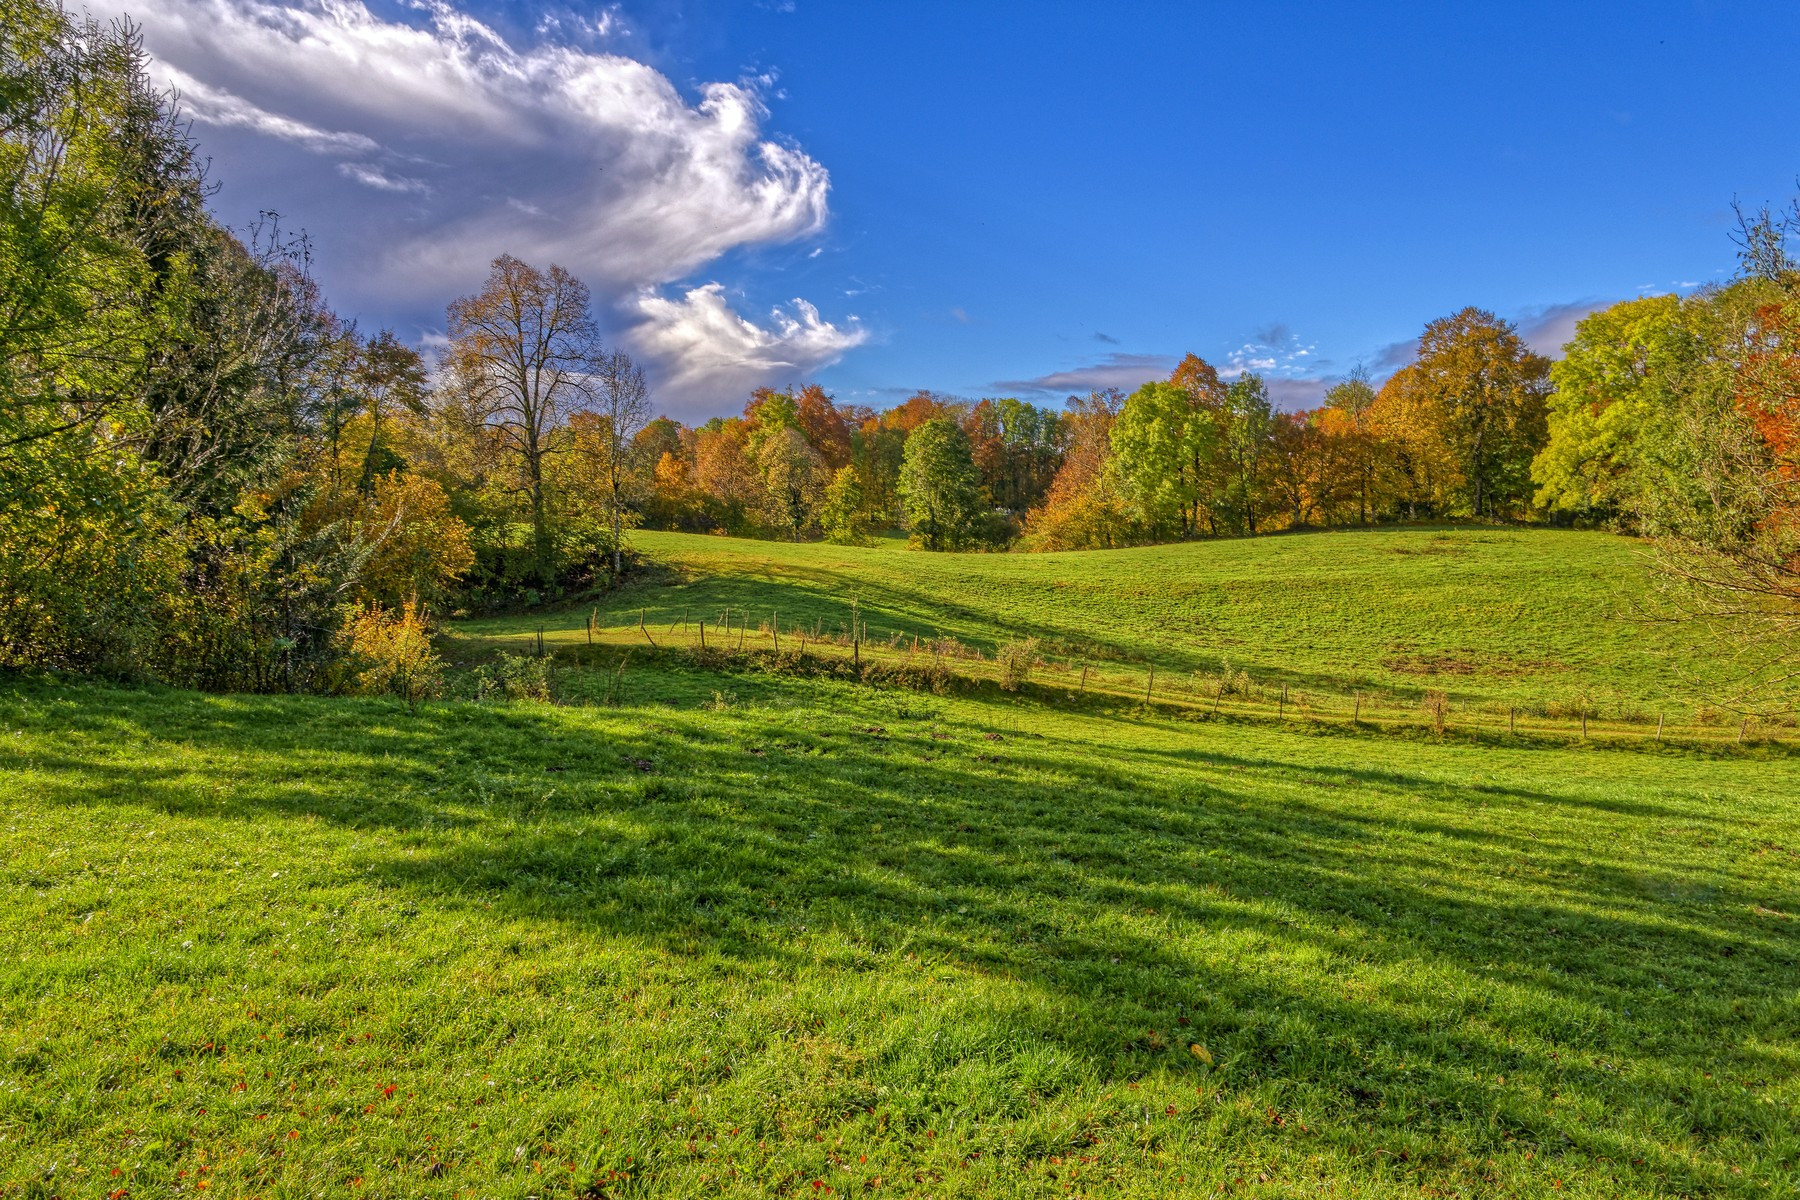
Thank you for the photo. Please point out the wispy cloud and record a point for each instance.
(1127, 371)
(454, 145)
(1548, 328)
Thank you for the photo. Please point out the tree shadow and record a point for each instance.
(1377, 925)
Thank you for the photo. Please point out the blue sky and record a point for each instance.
(995, 198)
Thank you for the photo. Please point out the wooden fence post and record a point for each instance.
(1659, 723)
(775, 628)
(1356, 715)
(1083, 689)
(1744, 725)
(703, 633)
(1151, 686)
(1584, 723)
(1512, 720)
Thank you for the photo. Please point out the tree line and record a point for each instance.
(208, 476)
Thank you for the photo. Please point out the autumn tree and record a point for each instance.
(389, 382)
(1085, 507)
(1479, 394)
(525, 353)
(823, 425)
(1355, 448)
(793, 481)
(725, 472)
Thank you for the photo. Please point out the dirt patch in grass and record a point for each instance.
(1466, 662)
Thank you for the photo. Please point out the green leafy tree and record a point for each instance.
(1246, 455)
(844, 515)
(1165, 444)
(1616, 395)
(939, 487)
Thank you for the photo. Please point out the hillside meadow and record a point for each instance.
(1549, 622)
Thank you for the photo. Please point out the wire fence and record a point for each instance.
(943, 663)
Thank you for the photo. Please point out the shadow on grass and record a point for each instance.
(1357, 935)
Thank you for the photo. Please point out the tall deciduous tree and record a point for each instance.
(793, 479)
(1165, 442)
(623, 398)
(1345, 421)
(525, 352)
(939, 486)
(1619, 384)
(1485, 390)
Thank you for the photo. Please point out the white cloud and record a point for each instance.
(715, 355)
(214, 106)
(380, 180)
(454, 146)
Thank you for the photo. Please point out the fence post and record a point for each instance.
(1151, 686)
(1281, 707)
(1584, 723)
(1745, 724)
(1084, 671)
(645, 629)
(1659, 721)
(775, 628)
(1356, 715)
(1512, 720)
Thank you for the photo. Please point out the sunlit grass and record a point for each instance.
(750, 933)
(1494, 617)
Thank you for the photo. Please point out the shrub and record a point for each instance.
(1016, 660)
(515, 677)
(389, 653)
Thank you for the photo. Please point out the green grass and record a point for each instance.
(756, 935)
(1494, 617)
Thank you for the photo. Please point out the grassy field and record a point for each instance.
(1491, 616)
(758, 932)
(760, 935)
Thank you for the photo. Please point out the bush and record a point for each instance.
(1016, 660)
(515, 677)
(389, 653)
